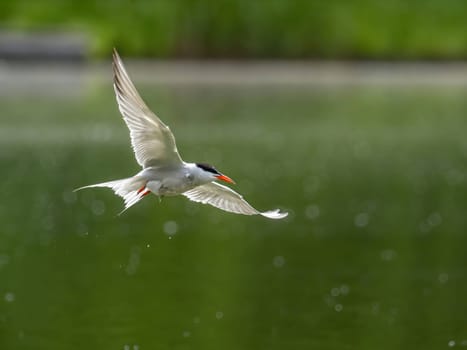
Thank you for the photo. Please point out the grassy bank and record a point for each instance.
(249, 29)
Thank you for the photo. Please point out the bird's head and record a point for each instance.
(212, 172)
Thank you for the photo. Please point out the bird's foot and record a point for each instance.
(144, 191)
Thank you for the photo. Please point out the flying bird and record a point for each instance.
(164, 172)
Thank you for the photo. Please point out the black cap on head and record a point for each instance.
(208, 168)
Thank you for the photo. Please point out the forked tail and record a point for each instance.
(132, 189)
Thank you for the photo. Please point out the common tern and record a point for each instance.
(164, 172)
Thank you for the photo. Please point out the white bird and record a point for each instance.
(164, 172)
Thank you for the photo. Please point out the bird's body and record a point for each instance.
(164, 172)
(173, 180)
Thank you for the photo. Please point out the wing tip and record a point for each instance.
(115, 54)
(82, 188)
(118, 68)
(116, 60)
(275, 214)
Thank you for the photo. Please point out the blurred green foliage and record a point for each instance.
(370, 29)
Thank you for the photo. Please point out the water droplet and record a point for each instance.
(219, 315)
(335, 292)
(338, 307)
(375, 308)
(133, 260)
(278, 261)
(344, 289)
(312, 211)
(98, 207)
(186, 334)
(170, 228)
(451, 343)
(81, 229)
(388, 254)
(443, 278)
(362, 219)
(9, 297)
(148, 246)
(434, 219)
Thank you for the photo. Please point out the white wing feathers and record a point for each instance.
(224, 198)
(153, 142)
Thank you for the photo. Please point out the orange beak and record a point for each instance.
(225, 178)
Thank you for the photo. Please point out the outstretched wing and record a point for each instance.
(152, 140)
(224, 198)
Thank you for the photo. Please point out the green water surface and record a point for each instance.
(372, 255)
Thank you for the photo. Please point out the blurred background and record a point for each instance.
(357, 29)
(351, 115)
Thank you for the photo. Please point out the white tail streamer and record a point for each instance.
(129, 189)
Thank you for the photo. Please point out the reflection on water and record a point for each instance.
(372, 255)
